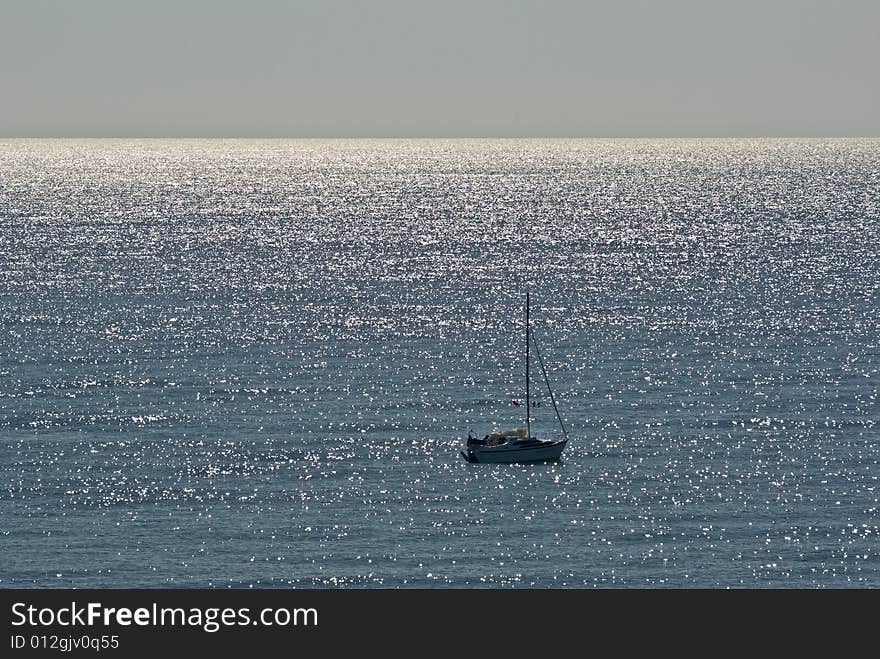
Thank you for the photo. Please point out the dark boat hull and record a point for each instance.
(516, 452)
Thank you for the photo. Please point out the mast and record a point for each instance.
(528, 402)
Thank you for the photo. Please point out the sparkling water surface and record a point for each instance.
(253, 363)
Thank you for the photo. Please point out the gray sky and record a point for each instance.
(446, 68)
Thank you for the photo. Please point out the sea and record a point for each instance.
(254, 363)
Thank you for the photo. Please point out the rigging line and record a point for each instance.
(547, 382)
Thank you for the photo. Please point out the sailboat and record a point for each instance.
(518, 445)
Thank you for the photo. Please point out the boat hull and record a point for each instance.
(516, 452)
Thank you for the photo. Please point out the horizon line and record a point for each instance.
(439, 137)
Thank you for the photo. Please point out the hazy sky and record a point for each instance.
(327, 68)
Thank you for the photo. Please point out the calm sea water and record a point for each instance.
(253, 363)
